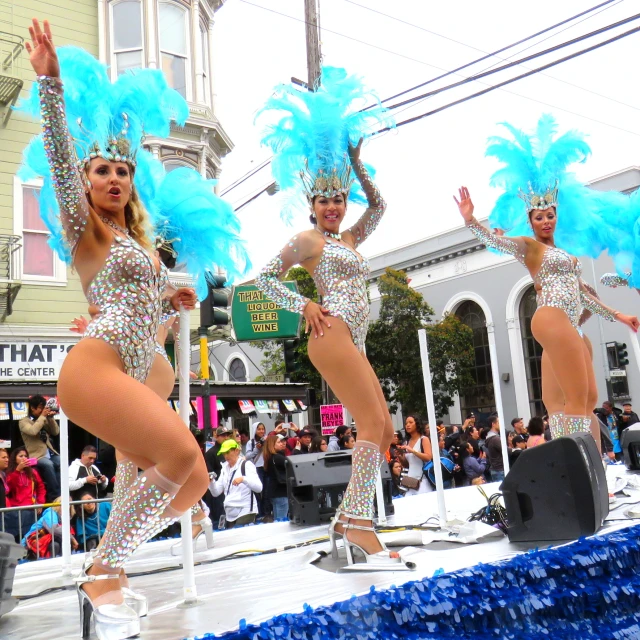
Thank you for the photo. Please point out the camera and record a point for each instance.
(52, 405)
(262, 440)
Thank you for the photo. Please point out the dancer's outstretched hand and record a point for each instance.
(42, 53)
(79, 325)
(354, 152)
(464, 204)
(630, 321)
(314, 316)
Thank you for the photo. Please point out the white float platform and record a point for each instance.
(256, 588)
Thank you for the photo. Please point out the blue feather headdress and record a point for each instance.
(535, 175)
(183, 209)
(106, 119)
(311, 131)
(202, 229)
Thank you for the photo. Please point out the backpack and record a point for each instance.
(254, 495)
(446, 463)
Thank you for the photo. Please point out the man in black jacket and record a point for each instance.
(627, 417)
(494, 450)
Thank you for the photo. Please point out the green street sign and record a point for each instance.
(255, 317)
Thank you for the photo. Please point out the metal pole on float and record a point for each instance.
(497, 394)
(65, 515)
(184, 366)
(433, 429)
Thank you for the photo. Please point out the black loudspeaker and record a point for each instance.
(556, 491)
(630, 443)
(10, 553)
(316, 483)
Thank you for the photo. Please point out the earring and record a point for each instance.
(88, 185)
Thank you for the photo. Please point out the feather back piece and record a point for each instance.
(202, 229)
(536, 169)
(309, 133)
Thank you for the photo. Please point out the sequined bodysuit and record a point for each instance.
(341, 273)
(128, 289)
(558, 283)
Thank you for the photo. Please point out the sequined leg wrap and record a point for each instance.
(575, 424)
(358, 498)
(146, 502)
(556, 425)
(126, 474)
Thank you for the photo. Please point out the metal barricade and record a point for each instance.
(11, 516)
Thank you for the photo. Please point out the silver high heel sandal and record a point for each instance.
(206, 530)
(111, 621)
(132, 599)
(334, 535)
(380, 561)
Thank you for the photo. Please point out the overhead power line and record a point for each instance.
(514, 63)
(246, 176)
(493, 53)
(516, 78)
(607, 5)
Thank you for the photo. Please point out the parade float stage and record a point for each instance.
(588, 588)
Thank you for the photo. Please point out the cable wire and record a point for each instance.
(514, 63)
(520, 77)
(488, 55)
(246, 176)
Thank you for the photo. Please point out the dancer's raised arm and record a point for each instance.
(67, 183)
(376, 206)
(516, 247)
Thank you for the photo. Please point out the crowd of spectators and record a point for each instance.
(248, 472)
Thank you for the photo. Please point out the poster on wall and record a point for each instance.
(331, 416)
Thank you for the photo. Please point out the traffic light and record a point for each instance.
(290, 356)
(622, 354)
(213, 309)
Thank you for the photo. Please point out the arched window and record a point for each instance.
(126, 35)
(172, 165)
(532, 352)
(478, 398)
(174, 45)
(237, 371)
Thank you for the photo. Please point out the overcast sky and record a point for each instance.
(421, 164)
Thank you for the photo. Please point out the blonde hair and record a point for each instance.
(58, 501)
(137, 219)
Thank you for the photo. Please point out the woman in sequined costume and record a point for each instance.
(103, 226)
(561, 297)
(337, 330)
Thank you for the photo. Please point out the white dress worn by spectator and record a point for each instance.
(237, 498)
(415, 469)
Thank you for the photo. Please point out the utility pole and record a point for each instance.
(313, 42)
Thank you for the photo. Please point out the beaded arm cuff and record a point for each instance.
(167, 310)
(499, 243)
(370, 219)
(613, 280)
(66, 179)
(595, 306)
(268, 282)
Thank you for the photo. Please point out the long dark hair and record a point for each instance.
(316, 444)
(28, 471)
(419, 427)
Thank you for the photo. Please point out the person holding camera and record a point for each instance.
(85, 477)
(37, 430)
(24, 489)
(239, 483)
